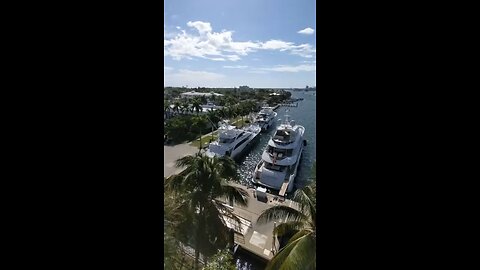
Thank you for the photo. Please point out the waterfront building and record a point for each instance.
(193, 94)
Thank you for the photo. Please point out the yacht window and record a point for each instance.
(280, 152)
(270, 166)
(226, 140)
(282, 135)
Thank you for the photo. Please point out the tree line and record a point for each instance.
(180, 127)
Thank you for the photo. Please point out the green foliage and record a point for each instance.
(223, 260)
(186, 127)
(195, 192)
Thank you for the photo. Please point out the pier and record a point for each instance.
(288, 105)
(252, 237)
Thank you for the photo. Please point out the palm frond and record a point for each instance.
(302, 255)
(236, 194)
(292, 226)
(300, 234)
(228, 213)
(297, 254)
(173, 183)
(226, 167)
(306, 201)
(186, 161)
(281, 212)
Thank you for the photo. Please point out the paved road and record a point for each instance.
(172, 153)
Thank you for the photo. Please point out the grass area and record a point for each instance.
(205, 140)
(241, 123)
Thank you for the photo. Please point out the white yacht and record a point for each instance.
(280, 160)
(265, 117)
(232, 141)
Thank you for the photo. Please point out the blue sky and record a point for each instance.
(228, 43)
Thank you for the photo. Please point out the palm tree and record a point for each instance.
(185, 107)
(213, 117)
(203, 100)
(196, 106)
(300, 250)
(176, 106)
(166, 108)
(223, 112)
(200, 185)
(198, 125)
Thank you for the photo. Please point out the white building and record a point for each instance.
(194, 94)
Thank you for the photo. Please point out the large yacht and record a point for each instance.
(280, 160)
(265, 118)
(232, 141)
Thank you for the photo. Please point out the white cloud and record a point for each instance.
(277, 45)
(304, 50)
(233, 57)
(238, 66)
(220, 46)
(202, 27)
(257, 71)
(284, 68)
(306, 31)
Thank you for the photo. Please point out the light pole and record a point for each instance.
(273, 238)
(213, 125)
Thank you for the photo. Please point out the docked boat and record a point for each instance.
(278, 168)
(232, 141)
(265, 118)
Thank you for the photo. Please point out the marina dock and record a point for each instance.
(288, 105)
(251, 236)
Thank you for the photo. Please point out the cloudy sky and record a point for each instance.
(227, 43)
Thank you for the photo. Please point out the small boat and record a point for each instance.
(232, 141)
(278, 167)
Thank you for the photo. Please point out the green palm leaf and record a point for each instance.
(281, 212)
(297, 254)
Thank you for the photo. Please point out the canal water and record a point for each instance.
(305, 115)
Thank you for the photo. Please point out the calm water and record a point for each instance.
(304, 115)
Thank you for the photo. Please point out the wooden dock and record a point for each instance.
(251, 236)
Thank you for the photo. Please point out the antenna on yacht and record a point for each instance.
(287, 119)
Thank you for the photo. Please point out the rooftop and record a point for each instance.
(198, 94)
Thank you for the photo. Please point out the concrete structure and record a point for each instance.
(250, 235)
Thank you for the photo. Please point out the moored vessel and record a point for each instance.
(280, 160)
(265, 118)
(232, 141)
